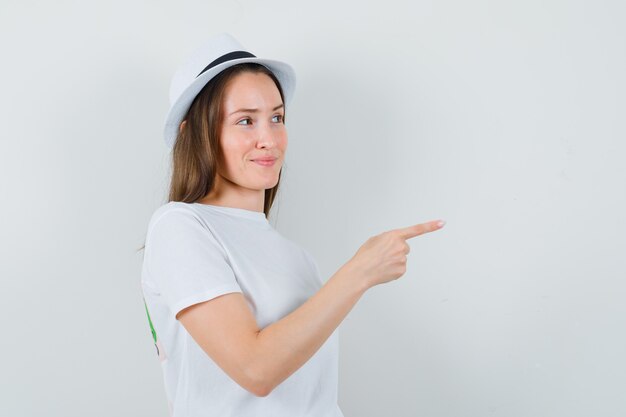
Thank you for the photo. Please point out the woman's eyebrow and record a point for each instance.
(253, 110)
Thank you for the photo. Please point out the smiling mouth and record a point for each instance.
(266, 163)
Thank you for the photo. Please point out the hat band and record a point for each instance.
(227, 57)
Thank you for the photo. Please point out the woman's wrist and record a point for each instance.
(352, 272)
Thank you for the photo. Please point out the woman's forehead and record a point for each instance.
(251, 91)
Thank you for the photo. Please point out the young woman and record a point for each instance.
(242, 321)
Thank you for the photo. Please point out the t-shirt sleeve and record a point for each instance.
(185, 262)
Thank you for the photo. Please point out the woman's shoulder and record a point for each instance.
(173, 211)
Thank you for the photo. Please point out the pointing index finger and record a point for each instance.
(420, 229)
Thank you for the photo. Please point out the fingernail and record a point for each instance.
(440, 223)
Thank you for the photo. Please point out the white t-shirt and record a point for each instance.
(195, 252)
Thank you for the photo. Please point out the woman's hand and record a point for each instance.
(382, 258)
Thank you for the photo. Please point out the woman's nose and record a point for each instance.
(266, 134)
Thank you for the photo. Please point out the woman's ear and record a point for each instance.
(182, 125)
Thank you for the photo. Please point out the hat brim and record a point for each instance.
(284, 73)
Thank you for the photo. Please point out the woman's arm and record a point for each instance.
(259, 360)
(284, 346)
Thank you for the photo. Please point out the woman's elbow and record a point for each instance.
(262, 392)
(260, 387)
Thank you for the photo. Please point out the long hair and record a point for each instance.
(196, 154)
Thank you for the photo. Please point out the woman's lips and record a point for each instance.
(265, 163)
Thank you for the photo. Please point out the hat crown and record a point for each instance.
(202, 56)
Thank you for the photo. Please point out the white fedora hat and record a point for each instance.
(208, 60)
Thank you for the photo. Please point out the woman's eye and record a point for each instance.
(248, 120)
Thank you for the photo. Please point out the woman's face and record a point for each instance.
(252, 127)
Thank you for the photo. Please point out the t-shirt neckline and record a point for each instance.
(258, 216)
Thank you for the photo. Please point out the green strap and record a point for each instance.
(154, 335)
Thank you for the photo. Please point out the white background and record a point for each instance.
(504, 118)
